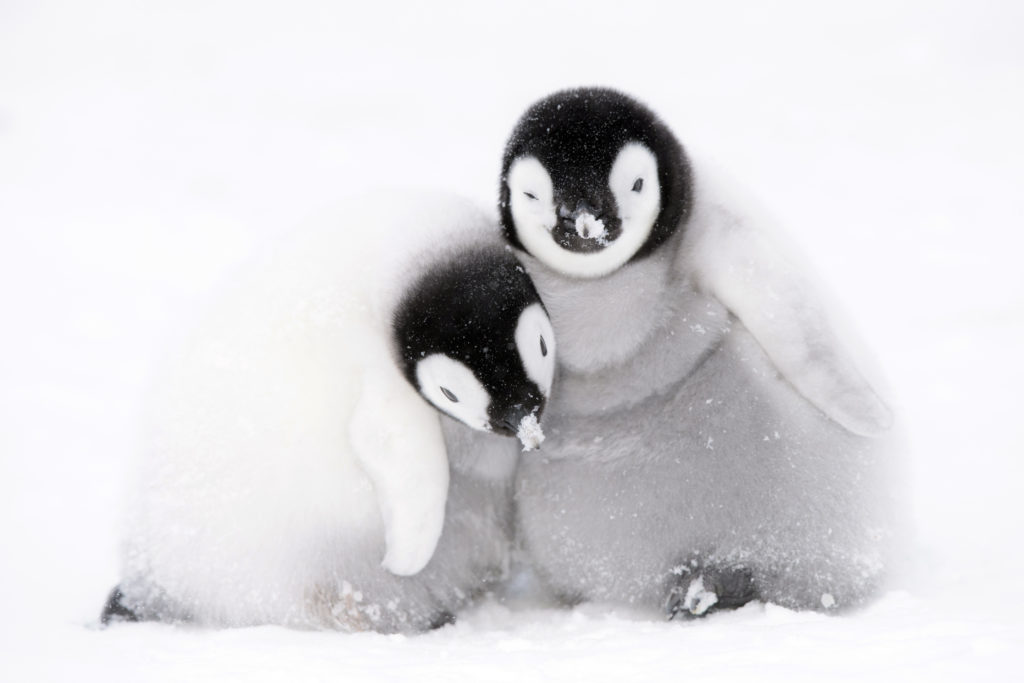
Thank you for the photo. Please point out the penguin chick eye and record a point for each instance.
(638, 185)
(543, 348)
(449, 395)
(531, 196)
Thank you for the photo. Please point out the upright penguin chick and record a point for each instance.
(296, 468)
(711, 441)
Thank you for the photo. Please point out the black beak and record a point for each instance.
(582, 237)
(509, 421)
(569, 213)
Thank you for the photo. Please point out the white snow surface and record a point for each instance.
(147, 149)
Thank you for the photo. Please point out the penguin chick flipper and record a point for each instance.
(398, 441)
(765, 290)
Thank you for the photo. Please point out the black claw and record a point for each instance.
(114, 609)
(674, 604)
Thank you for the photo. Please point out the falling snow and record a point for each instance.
(146, 151)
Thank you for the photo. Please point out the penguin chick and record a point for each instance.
(710, 428)
(330, 447)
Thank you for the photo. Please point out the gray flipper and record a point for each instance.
(407, 461)
(766, 290)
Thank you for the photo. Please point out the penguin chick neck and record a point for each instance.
(602, 321)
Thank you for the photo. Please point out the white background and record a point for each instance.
(147, 148)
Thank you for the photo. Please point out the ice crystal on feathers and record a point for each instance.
(590, 227)
(530, 433)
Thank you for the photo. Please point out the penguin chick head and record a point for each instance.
(475, 341)
(591, 179)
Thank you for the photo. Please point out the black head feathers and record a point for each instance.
(577, 135)
(469, 309)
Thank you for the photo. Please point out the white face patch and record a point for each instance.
(454, 389)
(633, 181)
(531, 200)
(535, 340)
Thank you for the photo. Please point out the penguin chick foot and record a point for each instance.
(699, 591)
(442, 619)
(115, 610)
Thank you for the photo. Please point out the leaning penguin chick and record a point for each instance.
(455, 330)
(331, 447)
(712, 441)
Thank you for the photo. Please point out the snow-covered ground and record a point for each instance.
(147, 148)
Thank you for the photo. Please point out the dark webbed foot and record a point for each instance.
(441, 620)
(696, 590)
(115, 610)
